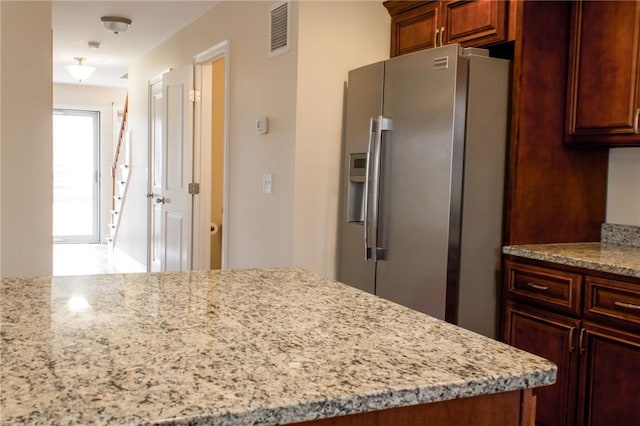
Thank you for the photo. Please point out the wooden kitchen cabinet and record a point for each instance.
(609, 385)
(596, 347)
(554, 193)
(553, 337)
(417, 25)
(414, 26)
(603, 100)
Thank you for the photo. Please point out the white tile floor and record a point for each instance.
(90, 259)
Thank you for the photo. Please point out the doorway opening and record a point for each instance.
(187, 217)
(217, 160)
(76, 176)
(211, 212)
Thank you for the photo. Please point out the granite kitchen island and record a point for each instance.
(239, 347)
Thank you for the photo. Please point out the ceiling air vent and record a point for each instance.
(279, 28)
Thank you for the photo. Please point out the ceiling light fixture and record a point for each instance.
(80, 72)
(116, 24)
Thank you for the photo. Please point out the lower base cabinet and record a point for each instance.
(609, 377)
(597, 349)
(552, 337)
(513, 408)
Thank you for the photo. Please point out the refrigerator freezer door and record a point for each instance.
(424, 95)
(485, 151)
(364, 102)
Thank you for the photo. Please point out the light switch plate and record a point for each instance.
(262, 125)
(267, 183)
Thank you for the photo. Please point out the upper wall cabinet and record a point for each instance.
(603, 101)
(417, 25)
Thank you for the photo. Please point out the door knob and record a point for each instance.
(161, 200)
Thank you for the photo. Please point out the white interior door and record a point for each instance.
(176, 204)
(156, 247)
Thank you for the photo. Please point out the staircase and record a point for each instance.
(120, 170)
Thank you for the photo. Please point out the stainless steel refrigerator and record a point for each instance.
(422, 183)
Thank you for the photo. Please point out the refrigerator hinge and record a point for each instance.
(386, 124)
(474, 51)
(194, 188)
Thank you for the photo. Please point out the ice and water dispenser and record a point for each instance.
(355, 192)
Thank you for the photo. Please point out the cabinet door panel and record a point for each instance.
(609, 386)
(414, 29)
(551, 336)
(604, 74)
(475, 23)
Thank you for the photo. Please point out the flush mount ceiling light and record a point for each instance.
(116, 24)
(80, 72)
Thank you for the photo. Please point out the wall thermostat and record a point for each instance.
(262, 125)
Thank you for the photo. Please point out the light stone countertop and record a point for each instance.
(238, 347)
(604, 257)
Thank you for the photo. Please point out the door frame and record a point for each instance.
(202, 157)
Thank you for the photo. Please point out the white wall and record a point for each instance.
(26, 138)
(107, 101)
(260, 224)
(623, 191)
(0, 145)
(334, 37)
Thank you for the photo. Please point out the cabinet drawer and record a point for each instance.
(615, 300)
(544, 286)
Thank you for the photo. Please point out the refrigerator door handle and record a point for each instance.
(381, 124)
(375, 190)
(367, 250)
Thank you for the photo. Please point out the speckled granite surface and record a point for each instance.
(626, 235)
(613, 258)
(243, 347)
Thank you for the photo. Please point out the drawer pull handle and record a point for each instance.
(627, 305)
(538, 286)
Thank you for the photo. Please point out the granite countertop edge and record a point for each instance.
(605, 256)
(392, 398)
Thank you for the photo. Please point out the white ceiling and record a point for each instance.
(75, 23)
